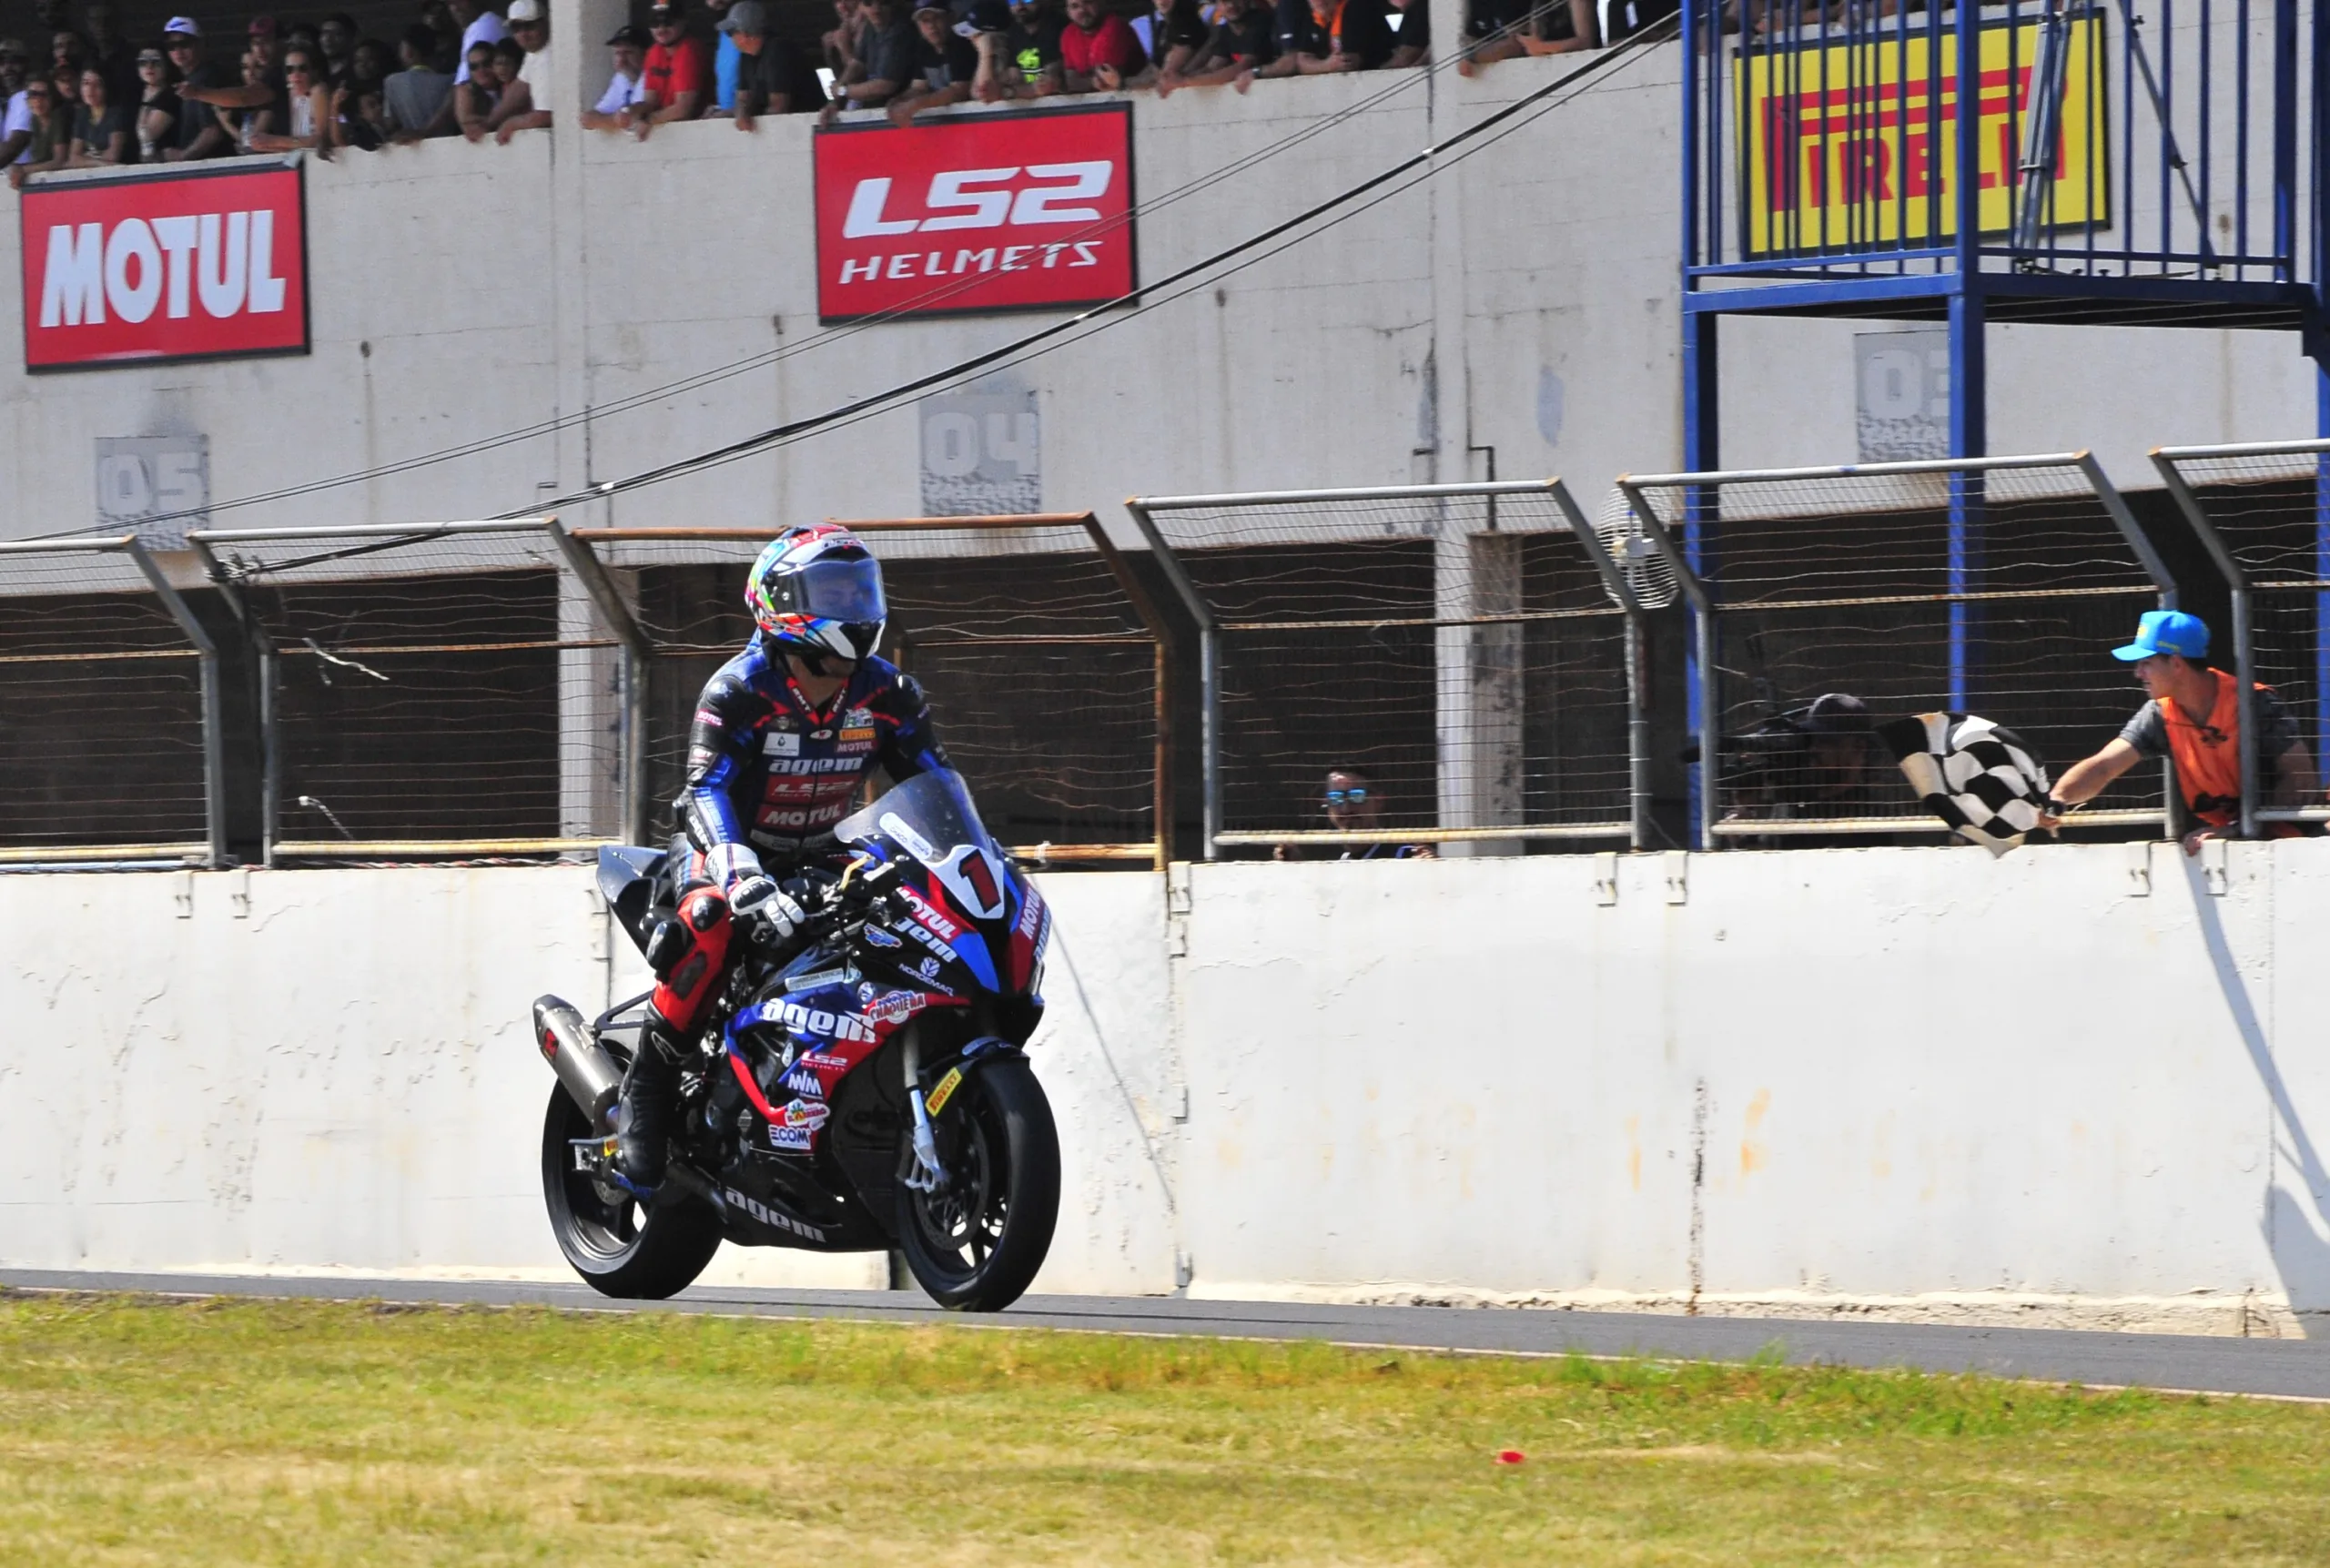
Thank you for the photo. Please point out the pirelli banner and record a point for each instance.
(199, 262)
(976, 214)
(1849, 147)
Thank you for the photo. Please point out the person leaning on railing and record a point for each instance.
(889, 60)
(420, 98)
(1243, 40)
(677, 73)
(198, 133)
(946, 66)
(527, 101)
(626, 83)
(52, 133)
(105, 133)
(1506, 29)
(2195, 718)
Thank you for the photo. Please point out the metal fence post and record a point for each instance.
(2245, 647)
(270, 777)
(1161, 694)
(213, 722)
(1208, 667)
(632, 749)
(1703, 618)
(2116, 504)
(1637, 698)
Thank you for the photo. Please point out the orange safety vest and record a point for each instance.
(2208, 752)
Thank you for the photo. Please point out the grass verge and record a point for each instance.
(144, 1432)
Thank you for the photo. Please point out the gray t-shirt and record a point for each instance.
(416, 97)
(2276, 731)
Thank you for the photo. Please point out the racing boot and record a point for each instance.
(644, 1122)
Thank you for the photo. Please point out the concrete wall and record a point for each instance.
(1520, 308)
(2076, 1085)
(333, 1070)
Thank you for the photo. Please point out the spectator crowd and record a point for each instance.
(83, 95)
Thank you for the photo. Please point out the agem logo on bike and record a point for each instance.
(978, 214)
(176, 265)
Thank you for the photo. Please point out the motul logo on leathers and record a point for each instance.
(226, 259)
(165, 265)
(981, 213)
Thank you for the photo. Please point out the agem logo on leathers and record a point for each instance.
(976, 214)
(203, 264)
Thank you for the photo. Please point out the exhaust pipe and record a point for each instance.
(589, 1073)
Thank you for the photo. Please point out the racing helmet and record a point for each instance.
(817, 592)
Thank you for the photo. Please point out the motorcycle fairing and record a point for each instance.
(627, 876)
(826, 1031)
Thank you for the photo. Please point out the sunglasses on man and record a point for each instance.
(1347, 796)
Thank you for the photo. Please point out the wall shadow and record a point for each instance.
(2301, 1256)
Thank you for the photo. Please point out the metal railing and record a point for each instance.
(1942, 585)
(2262, 510)
(1407, 631)
(1049, 667)
(89, 630)
(452, 689)
(1509, 671)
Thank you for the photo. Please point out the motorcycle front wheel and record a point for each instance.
(977, 1242)
(620, 1246)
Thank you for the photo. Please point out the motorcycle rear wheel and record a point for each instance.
(976, 1244)
(620, 1246)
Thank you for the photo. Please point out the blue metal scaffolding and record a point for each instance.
(2129, 163)
(2111, 163)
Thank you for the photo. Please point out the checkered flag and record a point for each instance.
(1978, 777)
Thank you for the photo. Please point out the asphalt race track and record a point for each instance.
(2288, 1369)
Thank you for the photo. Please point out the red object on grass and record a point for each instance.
(1510, 1456)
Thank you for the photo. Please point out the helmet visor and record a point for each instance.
(841, 590)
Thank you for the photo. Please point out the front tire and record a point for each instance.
(976, 1244)
(620, 1246)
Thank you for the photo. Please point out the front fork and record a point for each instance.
(924, 1173)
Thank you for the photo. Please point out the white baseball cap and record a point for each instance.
(185, 24)
(525, 10)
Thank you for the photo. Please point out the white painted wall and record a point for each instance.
(1526, 302)
(339, 1075)
(1911, 1082)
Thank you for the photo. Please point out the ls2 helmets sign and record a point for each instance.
(192, 263)
(974, 215)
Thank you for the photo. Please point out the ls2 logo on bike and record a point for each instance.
(976, 214)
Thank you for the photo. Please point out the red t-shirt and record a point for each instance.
(1112, 43)
(687, 67)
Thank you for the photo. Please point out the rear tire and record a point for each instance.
(620, 1246)
(976, 1245)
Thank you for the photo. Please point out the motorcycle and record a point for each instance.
(865, 1091)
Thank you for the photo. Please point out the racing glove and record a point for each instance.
(757, 901)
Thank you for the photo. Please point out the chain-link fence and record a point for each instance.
(2262, 512)
(436, 690)
(1493, 667)
(1045, 662)
(1462, 651)
(1996, 587)
(108, 698)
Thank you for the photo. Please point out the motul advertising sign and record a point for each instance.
(976, 214)
(175, 265)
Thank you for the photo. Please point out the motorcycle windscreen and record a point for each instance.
(931, 818)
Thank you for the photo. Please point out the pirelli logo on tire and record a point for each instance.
(977, 213)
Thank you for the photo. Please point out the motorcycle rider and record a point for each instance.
(783, 736)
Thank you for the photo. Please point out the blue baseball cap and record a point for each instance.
(2167, 631)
